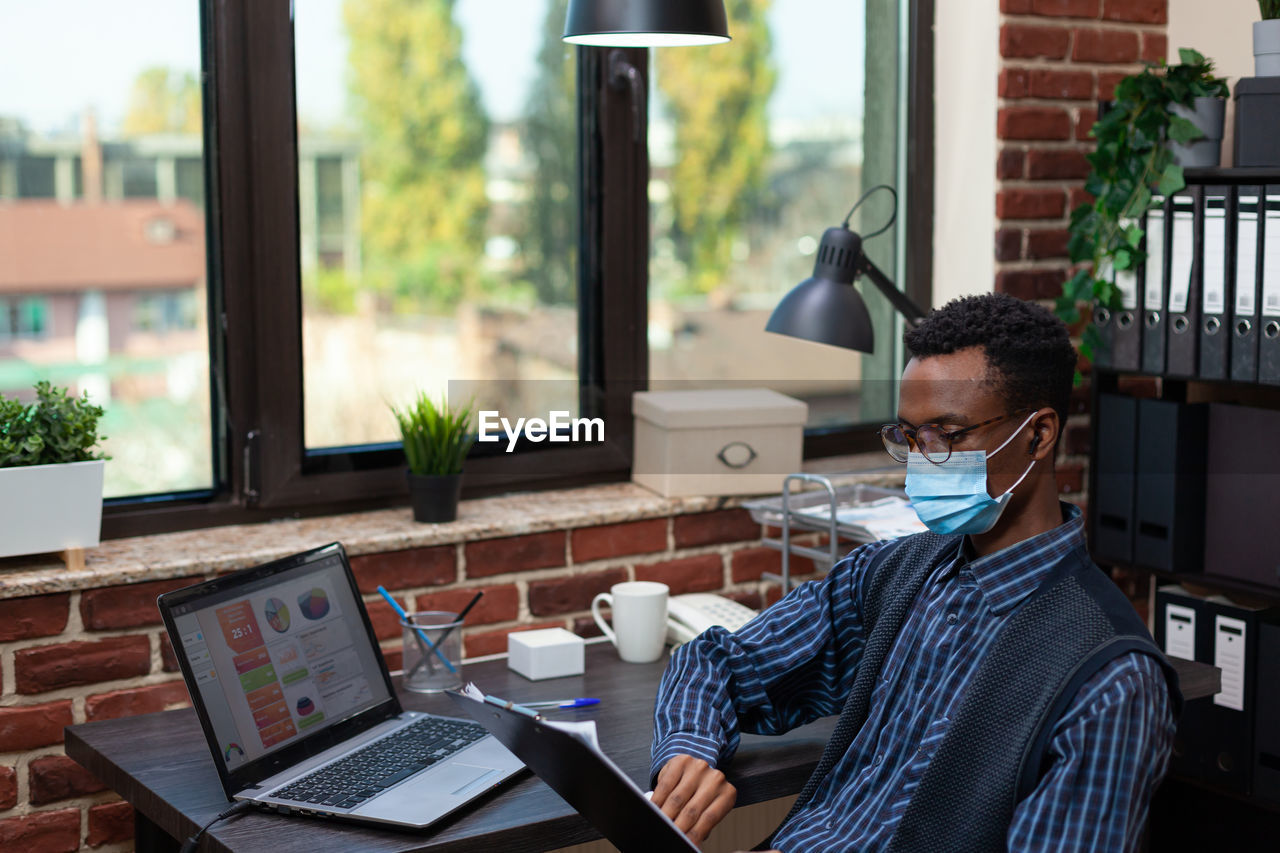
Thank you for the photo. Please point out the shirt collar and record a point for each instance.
(1011, 574)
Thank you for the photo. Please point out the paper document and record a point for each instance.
(886, 518)
(583, 731)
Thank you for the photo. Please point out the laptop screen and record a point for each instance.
(280, 657)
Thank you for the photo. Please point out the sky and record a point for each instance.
(48, 80)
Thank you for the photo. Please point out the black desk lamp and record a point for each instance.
(645, 23)
(825, 307)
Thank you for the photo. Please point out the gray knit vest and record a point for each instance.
(994, 751)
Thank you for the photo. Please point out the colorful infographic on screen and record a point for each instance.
(277, 613)
(314, 604)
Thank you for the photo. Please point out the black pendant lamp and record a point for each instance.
(646, 23)
(825, 308)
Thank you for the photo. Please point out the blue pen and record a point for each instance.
(562, 703)
(404, 617)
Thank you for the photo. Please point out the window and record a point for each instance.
(385, 214)
(162, 313)
(754, 151)
(23, 318)
(97, 250)
(436, 158)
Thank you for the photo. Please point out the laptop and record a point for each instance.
(298, 708)
(569, 760)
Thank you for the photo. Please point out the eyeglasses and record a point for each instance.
(931, 440)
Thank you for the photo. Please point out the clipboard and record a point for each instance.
(584, 777)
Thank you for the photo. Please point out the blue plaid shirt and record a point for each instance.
(796, 663)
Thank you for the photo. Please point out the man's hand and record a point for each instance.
(694, 795)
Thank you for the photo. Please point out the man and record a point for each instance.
(996, 689)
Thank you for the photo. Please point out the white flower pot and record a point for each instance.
(50, 507)
(1266, 48)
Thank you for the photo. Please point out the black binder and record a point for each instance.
(1155, 274)
(1269, 342)
(1215, 283)
(1183, 320)
(1169, 498)
(1126, 334)
(1266, 766)
(1104, 322)
(1242, 536)
(586, 779)
(1245, 326)
(1215, 738)
(1112, 508)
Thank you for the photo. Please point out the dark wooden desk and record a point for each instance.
(161, 765)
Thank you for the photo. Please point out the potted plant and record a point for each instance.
(1207, 110)
(50, 473)
(436, 440)
(1266, 40)
(1134, 160)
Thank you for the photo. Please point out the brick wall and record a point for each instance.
(1058, 58)
(99, 654)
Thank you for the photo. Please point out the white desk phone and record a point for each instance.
(690, 615)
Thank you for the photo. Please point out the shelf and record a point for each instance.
(1233, 175)
(1219, 582)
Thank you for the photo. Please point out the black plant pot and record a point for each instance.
(434, 497)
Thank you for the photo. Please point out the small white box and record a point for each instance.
(545, 653)
(717, 441)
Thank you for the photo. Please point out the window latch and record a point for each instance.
(249, 486)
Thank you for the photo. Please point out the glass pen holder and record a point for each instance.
(432, 651)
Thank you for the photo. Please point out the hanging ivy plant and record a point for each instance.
(1131, 164)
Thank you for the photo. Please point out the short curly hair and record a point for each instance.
(1027, 347)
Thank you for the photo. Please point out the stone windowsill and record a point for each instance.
(210, 551)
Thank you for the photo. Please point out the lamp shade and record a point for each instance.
(826, 308)
(646, 23)
(826, 312)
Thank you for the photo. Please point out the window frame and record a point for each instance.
(261, 467)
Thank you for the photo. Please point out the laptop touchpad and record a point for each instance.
(455, 777)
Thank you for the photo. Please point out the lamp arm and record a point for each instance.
(897, 298)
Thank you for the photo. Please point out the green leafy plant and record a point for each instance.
(1132, 163)
(56, 428)
(1270, 9)
(436, 438)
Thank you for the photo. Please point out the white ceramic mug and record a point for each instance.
(639, 619)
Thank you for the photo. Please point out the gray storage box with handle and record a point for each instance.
(717, 441)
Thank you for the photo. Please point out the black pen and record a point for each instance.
(461, 616)
(447, 631)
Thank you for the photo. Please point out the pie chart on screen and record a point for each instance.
(306, 707)
(277, 613)
(314, 604)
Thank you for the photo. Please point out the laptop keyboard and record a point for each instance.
(367, 772)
